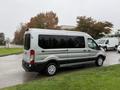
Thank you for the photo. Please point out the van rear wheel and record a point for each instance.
(51, 69)
(99, 61)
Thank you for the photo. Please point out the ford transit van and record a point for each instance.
(47, 50)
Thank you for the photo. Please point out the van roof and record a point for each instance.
(56, 32)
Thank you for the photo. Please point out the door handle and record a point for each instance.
(84, 50)
(89, 50)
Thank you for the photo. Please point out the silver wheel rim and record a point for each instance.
(51, 69)
(100, 61)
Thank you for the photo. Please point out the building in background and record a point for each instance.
(67, 27)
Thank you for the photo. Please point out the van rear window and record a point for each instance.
(27, 42)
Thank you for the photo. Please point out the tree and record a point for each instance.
(18, 37)
(95, 28)
(47, 20)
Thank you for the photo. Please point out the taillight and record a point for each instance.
(32, 56)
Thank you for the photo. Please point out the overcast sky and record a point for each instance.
(14, 12)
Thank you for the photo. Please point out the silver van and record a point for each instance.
(47, 50)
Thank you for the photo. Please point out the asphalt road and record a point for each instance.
(112, 57)
(12, 73)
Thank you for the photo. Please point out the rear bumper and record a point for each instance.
(37, 67)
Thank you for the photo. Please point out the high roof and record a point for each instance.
(56, 32)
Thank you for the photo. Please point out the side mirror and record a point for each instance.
(99, 47)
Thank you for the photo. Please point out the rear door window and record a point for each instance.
(27, 42)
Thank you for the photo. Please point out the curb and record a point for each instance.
(11, 54)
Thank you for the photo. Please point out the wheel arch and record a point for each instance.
(53, 61)
(104, 57)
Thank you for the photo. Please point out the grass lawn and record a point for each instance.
(104, 78)
(6, 51)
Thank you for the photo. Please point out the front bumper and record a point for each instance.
(37, 67)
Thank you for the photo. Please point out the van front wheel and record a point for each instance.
(99, 61)
(51, 69)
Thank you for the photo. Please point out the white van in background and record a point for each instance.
(47, 50)
(109, 43)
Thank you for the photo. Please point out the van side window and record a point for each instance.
(76, 42)
(52, 41)
(56, 41)
(92, 44)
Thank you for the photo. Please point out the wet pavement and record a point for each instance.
(12, 73)
(112, 57)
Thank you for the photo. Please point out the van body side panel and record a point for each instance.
(77, 53)
(56, 54)
(92, 53)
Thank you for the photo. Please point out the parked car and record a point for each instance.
(118, 49)
(110, 43)
(47, 50)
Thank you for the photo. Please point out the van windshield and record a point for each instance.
(27, 42)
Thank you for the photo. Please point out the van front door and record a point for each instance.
(77, 50)
(93, 48)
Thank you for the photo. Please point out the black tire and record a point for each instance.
(51, 69)
(99, 61)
